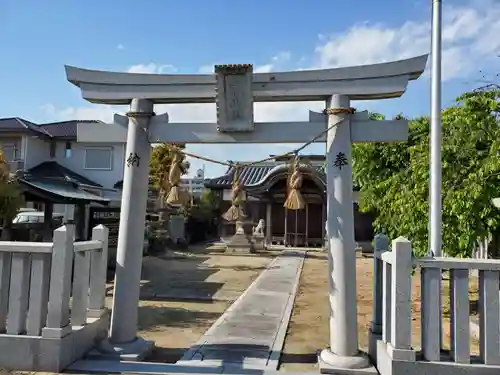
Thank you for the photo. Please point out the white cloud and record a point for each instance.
(470, 42)
(470, 39)
(206, 69)
(278, 61)
(152, 68)
(94, 112)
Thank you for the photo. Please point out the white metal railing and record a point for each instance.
(35, 283)
(392, 316)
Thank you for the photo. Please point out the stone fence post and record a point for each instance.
(58, 324)
(98, 271)
(381, 245)
(402, 262)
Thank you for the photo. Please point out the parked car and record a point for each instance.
(28, 225)
(27, 217)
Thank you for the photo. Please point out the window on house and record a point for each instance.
(10, 152)
(100, 158)
(53, 147)
(67, 152)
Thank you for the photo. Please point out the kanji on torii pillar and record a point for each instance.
(234, 89)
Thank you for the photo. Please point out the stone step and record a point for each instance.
(126, 367)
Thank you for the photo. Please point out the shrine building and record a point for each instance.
(266, 189)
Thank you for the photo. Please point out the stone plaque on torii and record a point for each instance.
(234, 89)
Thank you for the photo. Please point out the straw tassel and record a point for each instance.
(174, 178)
(295, 200)
(235, 212)
(165, 185)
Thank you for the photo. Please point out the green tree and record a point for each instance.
(394, 178)
(206, 207)
(10, 199)
(159, 166)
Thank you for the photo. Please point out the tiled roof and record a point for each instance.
(54, 181)
(249, 175)
(62, 190)
(16, 124)
(54, 171)
(64, 129)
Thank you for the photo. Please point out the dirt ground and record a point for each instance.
(211, 281)
(308, 331)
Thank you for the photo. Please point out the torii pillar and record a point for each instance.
(343, 351)
(123, 342)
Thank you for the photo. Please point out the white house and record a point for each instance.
(58, 169)
(27, 145)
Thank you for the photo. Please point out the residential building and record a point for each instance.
(57, 170)
(26, 145)
(195, 185)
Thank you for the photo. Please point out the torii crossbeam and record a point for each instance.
(161, 130)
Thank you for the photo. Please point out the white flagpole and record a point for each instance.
(435, 183)
(435, 239)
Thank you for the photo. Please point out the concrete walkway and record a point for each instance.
(251, 333)
(247, 338)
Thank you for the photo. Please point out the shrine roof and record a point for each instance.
(55, 171)
(254, 175)
(52, 182)
(57, 191)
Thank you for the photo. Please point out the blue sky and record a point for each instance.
(38, 38)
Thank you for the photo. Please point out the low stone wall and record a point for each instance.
(29, 353)
(52, 300)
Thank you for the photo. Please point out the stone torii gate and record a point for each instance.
(234, 89)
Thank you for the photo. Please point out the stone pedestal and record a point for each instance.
(134, 351)
(330, 363)
(176, 228)
(241, 242)
(258, 236)
(259, 241)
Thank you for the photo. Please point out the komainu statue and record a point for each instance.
(259, 229)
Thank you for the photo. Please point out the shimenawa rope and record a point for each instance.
(294, 201)
(238, 197)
